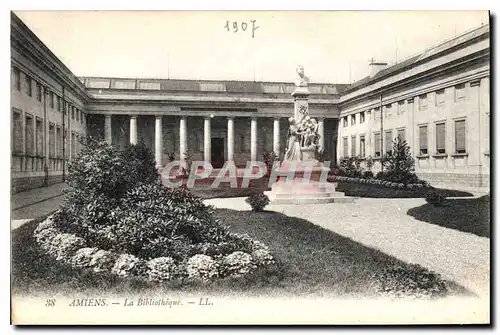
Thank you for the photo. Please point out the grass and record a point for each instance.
(355, 189)
(310, 260)
(467, 215)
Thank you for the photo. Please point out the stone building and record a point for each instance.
(238, 121)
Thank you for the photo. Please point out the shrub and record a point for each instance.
(434, 198)
(162, 269)
(368, 175)
(413, 281)
(83, 257)
(103, 260)
(201, 267)
(261, 254)
(258, 201)
(350, 167)
(237, 263)
(269, 158)
(64, 246)
(171, 156)
(399, 165)
(128, 265)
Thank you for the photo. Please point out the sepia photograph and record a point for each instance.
(182, 167)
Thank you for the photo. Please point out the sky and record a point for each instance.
(333, 46)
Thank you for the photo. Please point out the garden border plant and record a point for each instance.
(116, 217)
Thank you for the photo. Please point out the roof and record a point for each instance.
(206, 85)
(421, 57)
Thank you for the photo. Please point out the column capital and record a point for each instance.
(230, 117)
(254, 118)
(476, 82)
(133, 116)
(321, 118)
(277, 118)
(410, 100)
(158, 117)
(207, 117)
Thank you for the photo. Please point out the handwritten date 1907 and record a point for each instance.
(236, 26)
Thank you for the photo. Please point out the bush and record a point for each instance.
(237, 263)
(258, 201)
(269, 159)
(368, 175)
(399, 165)
(434, 198)
(350, 167)
(201, 267)
(162, 269)
(414, 282)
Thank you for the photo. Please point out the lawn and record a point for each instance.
(310, 260)
(467, 215)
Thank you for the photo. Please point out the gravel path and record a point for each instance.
(384, 225)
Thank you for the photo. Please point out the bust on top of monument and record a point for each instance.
(302, 80)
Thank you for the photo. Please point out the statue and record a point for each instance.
(302, 80)
(293, 152)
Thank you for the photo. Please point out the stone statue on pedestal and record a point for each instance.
(303, 130)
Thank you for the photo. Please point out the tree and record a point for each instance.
(399, 164)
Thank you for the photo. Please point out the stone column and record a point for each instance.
(230, 139)
(158, 141)
(253, 139)
(133, 129)
(276, 136)
(321, 133)
(183, 138)
(107, 129)
(207, 145)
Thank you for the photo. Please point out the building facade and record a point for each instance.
(238, 121)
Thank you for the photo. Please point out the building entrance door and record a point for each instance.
(217, 152)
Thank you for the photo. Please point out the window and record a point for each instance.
(345, 147)
(377, 144)
(460, 145)
(401, 107)
(72, 112)
(388, 142)
(38, 92)
(362, 117)
(440, 97)
(28, 85)
(59, 142)
(422, 135)
(77, 115)
(388, 109)
(73, 144)
(362, 146)
(17, 79)
(344, 121)
(423, 101)
(51, 99)
(17, 132)
(353, 146)
(58, 103)
(52, 141)
(84, 119)
(376, 113)
(353, 119)
(440, 138)
(39, 137)
(402, 134)
(29, 133)
(459, 92)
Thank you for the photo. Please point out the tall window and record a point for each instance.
(17, 132)
(362, 146)
(388, 109)
(59, 142)
(77, 115)
(460, 143)
(362, 117)
(422, 135)
(17, 78)
(376, 113)
(38, 92)
(440, 97)
(459, 91)
(377, 144)
(344, 121)
(353, 146)
(52, 141)
(401, 107)
(72, 113)
(388, 142)
(28, 85)
(73, 144)
(52, 99)
(39, 138)
(345, 147)
(423, 101)
(29, 135)
(402, 134)
(440, 138)
(353, 119)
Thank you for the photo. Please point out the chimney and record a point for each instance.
(377, 66)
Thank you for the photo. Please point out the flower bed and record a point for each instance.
(375, 188)
(208, 264)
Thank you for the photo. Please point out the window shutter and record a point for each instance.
(377, 143)
(460, 136)
(402, 134)
(345, 147)
(441, 138)
(388, 141)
